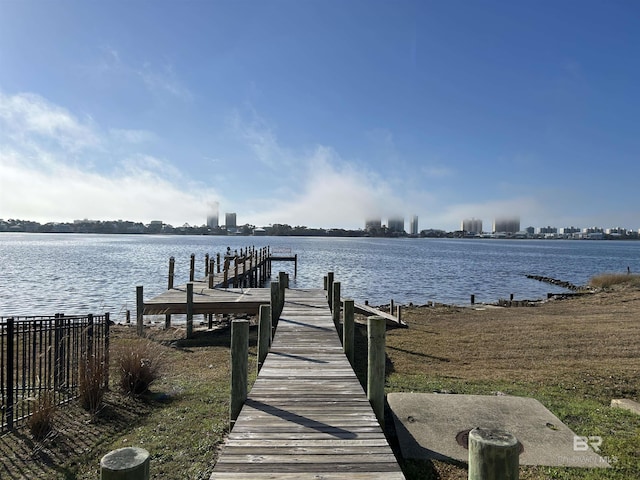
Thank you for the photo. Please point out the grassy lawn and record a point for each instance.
(573, 356)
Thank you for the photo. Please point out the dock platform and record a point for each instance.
(307, 416)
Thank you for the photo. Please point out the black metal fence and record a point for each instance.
(42, 356)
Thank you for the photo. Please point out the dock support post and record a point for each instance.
(129, 463)
(192, 268)
(335, 309)
(391, 307)
(172, 266)
(283, 278)
(376, 331)
(330, 288)
(348, 330)
(493, 455)
(295, 266)
(264, 333)
(277, 302)
(189, 310)
(235, 273)
(211, 272)
(206, 265)
(139, 310)
(218, 261)
(473, 299)
(399, 315)
(239, 370)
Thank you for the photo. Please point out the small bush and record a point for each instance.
(608, 280)
(140, 363)
(91, 384)
(40, 422)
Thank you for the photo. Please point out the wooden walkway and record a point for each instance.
(307, 415)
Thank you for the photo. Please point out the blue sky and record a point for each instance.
(321, 113)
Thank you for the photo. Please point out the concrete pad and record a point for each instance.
(626, 404)
(429, 426)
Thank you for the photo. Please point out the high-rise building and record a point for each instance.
(413, 225)
(372, 224)
(230, 220)
(395, 224)
(471, 225)
(212, 218)
(506, 225)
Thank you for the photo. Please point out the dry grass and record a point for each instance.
(139, 363)
(574, 355)
(608, 280)
(40, 423)
(91, 384)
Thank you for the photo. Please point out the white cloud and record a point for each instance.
(332, 193)
(51, 169)
(28, 116)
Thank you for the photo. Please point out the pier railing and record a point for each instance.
(41, 355)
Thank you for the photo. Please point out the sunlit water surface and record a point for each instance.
(42, 274)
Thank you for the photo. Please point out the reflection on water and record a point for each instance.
(49, 273)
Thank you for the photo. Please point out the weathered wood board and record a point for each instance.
(307, 415)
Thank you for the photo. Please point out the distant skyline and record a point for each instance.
(321, 112)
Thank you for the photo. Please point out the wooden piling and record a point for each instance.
(218, 262)
(399, 314)
(189, 310)
(139, 310)
(295, 266)
(206, 265)
(493, 455)
(391, 307)
(129, 463)
(473, 299)
(264, 333)
(192, 268)
(172, 265)
(348, 330)
(239, 368)
(330, 288)
(277, 302)
(335, 309)
(376, 331)
(211, 272)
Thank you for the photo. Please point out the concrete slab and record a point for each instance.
(626, 404)
(433, 426)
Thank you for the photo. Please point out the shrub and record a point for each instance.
(40, 422)
(139, 363)
(91, 384)
(607, 280)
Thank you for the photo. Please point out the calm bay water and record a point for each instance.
(42, 274)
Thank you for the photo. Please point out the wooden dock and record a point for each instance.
(307, 415)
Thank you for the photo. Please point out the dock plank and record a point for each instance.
(307, 416)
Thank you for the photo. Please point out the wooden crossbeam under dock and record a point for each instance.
(307, 415)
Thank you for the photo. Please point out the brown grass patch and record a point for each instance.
(608, 280)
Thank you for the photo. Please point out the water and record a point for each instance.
(42, 274)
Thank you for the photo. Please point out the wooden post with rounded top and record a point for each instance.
(330, 288)
(493, 455)
(129, 463)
